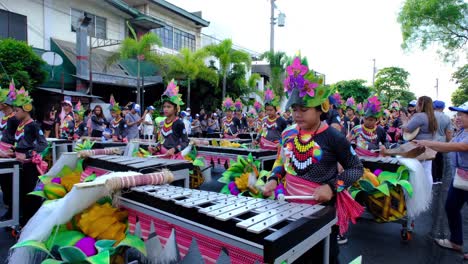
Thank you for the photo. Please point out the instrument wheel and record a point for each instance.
(405, 235)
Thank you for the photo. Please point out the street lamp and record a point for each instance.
(281, 22)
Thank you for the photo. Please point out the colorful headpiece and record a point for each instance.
(228, 104)
(336, 98)
(22, 99)
(373, 107)
(172, 94)
(114, 106)
(7, 96)
(238, 105)
(360, 109)
(252, 113)
(304, 88)
(350, 103)
(395, 105)
(270, 98)
(258, 106)
(79, 109)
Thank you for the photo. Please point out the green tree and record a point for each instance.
(188, 65)
(21, 64)
(403, 96)
(442, 22)
(388, 83)
(460, 96)
(139, 48)
(353, 88)
(278, 62)
(227, 56)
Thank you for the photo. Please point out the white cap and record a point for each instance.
(188, 109)
(67, 102)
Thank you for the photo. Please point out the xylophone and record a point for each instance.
(250, 229)
(179, 168)
(10, 168)
(222, 155)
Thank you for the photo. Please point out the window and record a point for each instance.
(175, 39)
(13, 25)
(97, 27)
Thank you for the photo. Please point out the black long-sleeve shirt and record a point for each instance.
(232, 127)
(174, 137)
(8, 130)
(32, 139)
(272, 132)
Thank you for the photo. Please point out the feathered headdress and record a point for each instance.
(79, 109)
(336, 99)
(252, 113)
(22, 99)
(351, 103)
(304, 87)
(3, 95)
(373, 107)
(8, 96)
(172, 94)
(228, 104)
(258, 106)
(114, 106)
(270, 98)
(238, 105)
(360, 109)
(395, 105)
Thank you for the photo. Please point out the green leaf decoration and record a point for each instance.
(134, 242)
(32, 243)
(90, 178)
(250, 158)
(79, 165)
(66, 170)
(52, 261)
(101, 258)
(225, 190)
(403, 172)
(45, 179)
(244, 146)
(199, 163)
(105, 244)
(355, 192)
(407, 186)
(38, 193)
(386, 175)
(64, 238)
(393, 182)
(46, 151)
(366, 186)
(264, 173)
(383, 188)
(358, 260)
(72, 254)
(104, 200)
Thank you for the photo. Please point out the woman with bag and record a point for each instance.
(458, 192)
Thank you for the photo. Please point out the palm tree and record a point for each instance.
(139, 48)
(278, 61)
(190, 65)
(228, 56)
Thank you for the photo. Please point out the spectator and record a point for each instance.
(213, 125)
(148, 126)
(133, 120)
(443, 134)
(48, 124)
(187, 124)
(98, 122)
(202, 114)
(204, 123)
(188, 111)
(65, 126)
(458, 191)
(196, 126)
(412, 107)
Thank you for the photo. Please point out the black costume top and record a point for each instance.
(8, 127)
(173, 135)
(29, 137)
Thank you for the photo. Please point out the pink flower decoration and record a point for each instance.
(228, 103)
(359, 107)
(296, 68)
(350, 102)
(238, 105)
(12, 93)
(257, 106)
(269, 95)
(309, 89)
(112, 100)
(337, 98)
(172, 89)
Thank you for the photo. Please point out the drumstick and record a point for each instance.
(296, 197)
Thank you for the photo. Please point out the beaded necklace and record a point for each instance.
(115, 123)
(270, 123)
(20, 130)
(5, 119)
(305, 151)
(167, 127)
(369, 134)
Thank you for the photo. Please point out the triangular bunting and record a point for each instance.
(138, 232)
(170, 254)
(223, 258)
(193, 255)
(153, 245)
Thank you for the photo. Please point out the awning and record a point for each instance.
(67, 92)
(126, 81)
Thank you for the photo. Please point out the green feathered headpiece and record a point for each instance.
(304, 87)
(114, 106)
(79, 109)
(228, 104)
(172, 94)
(3, 95)
(270, 98)
(7, 96)
(23, 100)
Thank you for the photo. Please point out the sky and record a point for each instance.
(339, 37)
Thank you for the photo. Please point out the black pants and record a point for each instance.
(29, 204)
(315, 254)
(438, 167)
(96, 133)
(6, 182)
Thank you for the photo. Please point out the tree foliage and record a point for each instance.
(391, 83)
(21, 64)
(442, 22)
(278, 62)
(228, 56)
(460, 96)
(353, 88)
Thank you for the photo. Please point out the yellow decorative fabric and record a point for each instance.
(103, 222)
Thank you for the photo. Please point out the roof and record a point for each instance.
(67, 92)
(182, 12)
(139, 18)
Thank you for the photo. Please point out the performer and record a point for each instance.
(309, 152)
(335, 112)
(239, 114)
(172, 136)
(350, 120)
(252, 122)
(273, 125)
(80, 126)
(394, 123)
(231, 125)
(117, 124)
(64, 127)
(369, 136)
(260, 114)
(29, 143)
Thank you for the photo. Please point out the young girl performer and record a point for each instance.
(9, 122)
(273, 125)
(231, 125)
(117, 124)
(80, 126)
(309, 152)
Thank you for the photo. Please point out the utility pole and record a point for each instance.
(272, 29)
(437, 88)
(373, 73)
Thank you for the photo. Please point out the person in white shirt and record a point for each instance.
(148, 125)
(187, 123)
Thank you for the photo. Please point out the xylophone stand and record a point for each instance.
(11, 166)
(59, 147)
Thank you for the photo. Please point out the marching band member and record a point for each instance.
(252, 122)
(65, 126)
(80, 125)
(309, 152)
(350, 119)
(231, 125)
(117, 124)
(273, 125)
(335, 112)
(394, 123)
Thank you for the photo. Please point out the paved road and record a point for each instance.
(377, 243)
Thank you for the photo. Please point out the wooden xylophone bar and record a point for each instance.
(274, 231)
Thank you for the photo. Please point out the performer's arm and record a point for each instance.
(443, 146)
(179, 129)
(352, 166)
